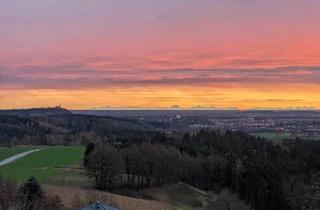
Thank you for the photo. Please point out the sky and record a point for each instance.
(214, 54)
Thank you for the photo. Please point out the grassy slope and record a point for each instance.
(82, 197)
(169, 197)
(8, 152)
(44, 164)
(181, 196)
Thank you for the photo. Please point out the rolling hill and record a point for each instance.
(57, 126)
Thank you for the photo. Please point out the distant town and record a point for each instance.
(271, 124)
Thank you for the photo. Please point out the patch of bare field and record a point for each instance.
(182, 196)
(76, 197)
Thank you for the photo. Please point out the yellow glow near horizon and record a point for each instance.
(165, 97)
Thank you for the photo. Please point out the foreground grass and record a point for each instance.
(45, 164)
(81, 197)
(11, 151)
(181, 196)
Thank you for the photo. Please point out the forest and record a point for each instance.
(65, 129)
(264, 175)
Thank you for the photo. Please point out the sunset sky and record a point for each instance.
(84, 54)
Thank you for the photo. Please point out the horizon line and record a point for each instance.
(168, 109)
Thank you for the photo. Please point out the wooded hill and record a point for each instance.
(33, 112)
(57, 126)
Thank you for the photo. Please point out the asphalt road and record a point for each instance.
(17, 156)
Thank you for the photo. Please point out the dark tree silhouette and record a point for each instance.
(104, 163)
(31, 193)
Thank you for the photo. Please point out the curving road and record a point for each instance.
(17, 156)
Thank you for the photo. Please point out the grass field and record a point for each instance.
(169, 197)
(71, 195)
(181, 196)
(276, 137)
(11, 151)
(46, 164)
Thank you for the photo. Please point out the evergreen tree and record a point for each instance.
(31, 193)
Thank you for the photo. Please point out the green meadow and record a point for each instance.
(276, 137)
(11, 151)
(46, 165)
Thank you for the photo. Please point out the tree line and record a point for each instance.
(264, 175)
